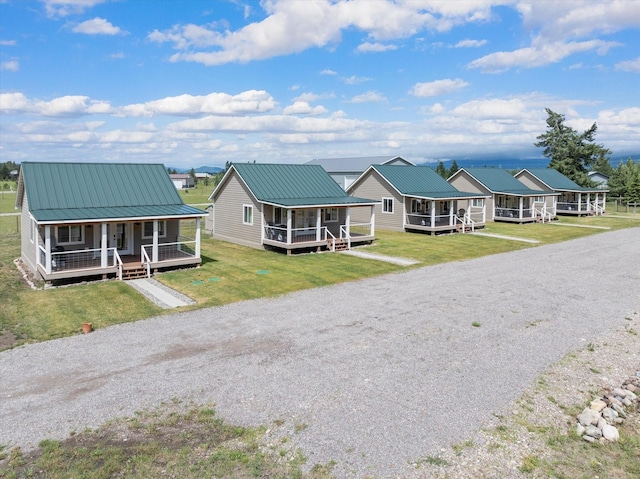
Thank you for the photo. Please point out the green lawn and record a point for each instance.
(198, 195)
(8, 200)
(231, 273)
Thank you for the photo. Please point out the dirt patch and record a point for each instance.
(8, 340)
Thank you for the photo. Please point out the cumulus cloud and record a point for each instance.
(328, 72)
(629, 65)
(538, 55)
(375, 47)
(97, 26)
(354, 80)
(303, 108)
(438, 87)
(470, 43)
(63, 8)
(8, 43)
(368, 97)
(11, 66)
(70, 105)
(291, 27)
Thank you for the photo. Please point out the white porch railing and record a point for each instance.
(573, 206)
(168, 251)
(146, 261)
(359, 229)
(597, 207)
(501, 212)
(332, 239)
(544, 214)
(84, 259)
(420, 219)
(465, 221)
(298, 235)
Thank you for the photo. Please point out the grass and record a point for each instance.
(172, 441)
(198, 195)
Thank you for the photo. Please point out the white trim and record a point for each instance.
(245, 209)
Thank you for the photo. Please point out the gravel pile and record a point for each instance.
(376, 374)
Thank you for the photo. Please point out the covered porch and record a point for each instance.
(444, 215)
(321, 228)
(522, 209)
(121, 249)
(581, 203)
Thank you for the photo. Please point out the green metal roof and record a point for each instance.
(557, 181)
(420, 181)
(294, 185)
(84, 191)
(500, 181)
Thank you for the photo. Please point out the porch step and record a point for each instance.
(134, 272)
(342, 244)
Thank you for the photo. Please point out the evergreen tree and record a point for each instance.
(453, 169)
(441, 170)
(570, 152)
(625, 180)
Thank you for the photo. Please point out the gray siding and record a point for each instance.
(532, 182)
(28, 249)
(374, 187)
(227, 214)
(464, 182)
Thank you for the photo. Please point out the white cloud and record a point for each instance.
(71, 105)
(375, 47)
(63, 8)
(629, 65)
(8, 43)
(538, 55)
(470, 43)
(354, 80)
(294, 26)
(438, 87)
(97, 26)
(303, 108)
(328, 72)
(368, 97)
(11, 66)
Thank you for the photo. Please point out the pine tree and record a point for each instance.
(570, 152)
(441, 170)
(454, 168)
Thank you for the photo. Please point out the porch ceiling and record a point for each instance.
(319, 202)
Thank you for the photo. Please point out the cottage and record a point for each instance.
(573, 199)
(346, 170)
(88, 219)
(600, 179)
(287, 207)
(510, 200)
(416, 198)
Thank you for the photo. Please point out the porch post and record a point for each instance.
(579, 202)
(198, 219)
(604, 201)
(588, 202)
(154, 249)
(373, 220)
(318, 224)
(47, 248)
(520, 204)
(104, 242)
(347, 222)
(484, 209)
(289, 226)
(432, 213)
(451, 222)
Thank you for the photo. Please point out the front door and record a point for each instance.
(119, 237)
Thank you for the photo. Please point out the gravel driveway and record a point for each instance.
(381, 372)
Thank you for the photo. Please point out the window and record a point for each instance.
(538, 199)
(70, 234)
(147, 229)
(416, 205)
(387, 205)
(330, 214)
(277, 215)
(477, 202)
(247, 214)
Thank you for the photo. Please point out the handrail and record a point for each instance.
(464, 221)
(118, 260)
(146, 261)
(333, 238)
(343, 230)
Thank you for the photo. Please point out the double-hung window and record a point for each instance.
(477, 202)
(147, 229)
(330, 215)
(387, 205)
(247, 214)
(70, 234)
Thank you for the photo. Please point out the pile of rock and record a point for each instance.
(598, 421)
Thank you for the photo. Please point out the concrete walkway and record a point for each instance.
(581, 226)
(505, 237)
(159, 293)
(380, 257)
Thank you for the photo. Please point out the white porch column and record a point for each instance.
(588, 202)
(373, 220)
(318, 224)
(289, 226)
(604, 201)
(451, 221)
(521, 204)
(198, 220)
(104, 242)
(347, 222)
(47, 248)
(484, 210)
(433, 213)
(579, 202)
(154, 249)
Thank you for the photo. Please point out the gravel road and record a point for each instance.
(382, 372)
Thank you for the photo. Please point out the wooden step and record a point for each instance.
(134, 273)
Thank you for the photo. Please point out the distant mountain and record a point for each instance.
(201, 169)
(506, 163)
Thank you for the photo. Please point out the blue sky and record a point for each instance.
(191, 83)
